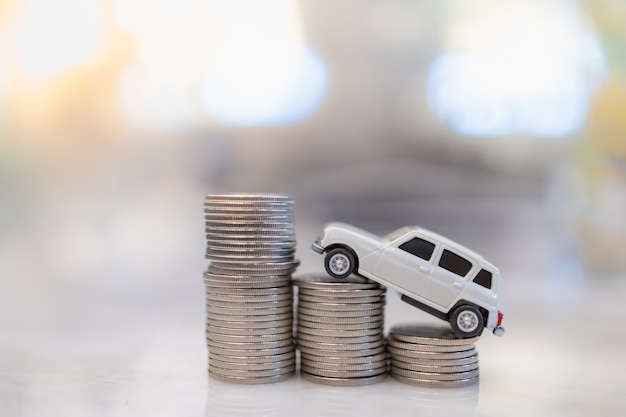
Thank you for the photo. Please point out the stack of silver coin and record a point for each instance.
(432, 356)
(249, 327)
(340, 330)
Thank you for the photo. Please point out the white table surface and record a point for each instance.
(137, 348)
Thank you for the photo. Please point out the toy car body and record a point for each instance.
(430, 271)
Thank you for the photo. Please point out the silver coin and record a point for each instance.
(434, 362)
(340, 300)
(270, 248)
(243, 255)
(211, 208)
(252, 292)
(230, 351)
(339, 314)
(429, 334)
(432, 376)
(243, 216)
(260, 231)
(247, 331)
(270, 197)
(261, 268)
(340, 307)
(372, 325)
(321, 281)
(265, 229)
(254, 360)
(211, 276)
(378, 332)
(247, 261)
(268, 251)
(350, 293)
(247, 206)
(254, 236)
(303, 317)
(244, 365)
(261, 318)
(262, 338)
(251, 381)
(343, 381)
(248, 278)
(249, 246)
(349, 356)
(253, 268)
(427, 348)
(237, 244)
(231, 298)
(250, 209)
(248, 311)
(248, 282)
(344, 366)
(222, 319)
(431, 355)
(248, 325)
(247, 238)
(435, 384)
(343, 374)
(257, 239)
(252, 346)
(342, 360)
(339, 346)
(434, 368)
(245, 373)
(239, 220)
(250, 212)
(257, 200)
(241, 305)
(301, 337)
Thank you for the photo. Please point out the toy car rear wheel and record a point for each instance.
(467, 321)
(339, 262)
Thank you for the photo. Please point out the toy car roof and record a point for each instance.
(439, 238)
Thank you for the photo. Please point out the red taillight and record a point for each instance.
(500, 317)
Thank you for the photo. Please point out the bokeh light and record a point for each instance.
(51, 37)
(264, 85)
(262, 72)
(237, 62)
(530, 68)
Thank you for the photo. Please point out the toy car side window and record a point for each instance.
(419, 247)
(454, 263)
(483, 278)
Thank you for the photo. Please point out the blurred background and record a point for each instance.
(501, 125)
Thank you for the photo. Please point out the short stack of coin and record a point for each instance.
(432, 356)
(249, 328)
(340, 330)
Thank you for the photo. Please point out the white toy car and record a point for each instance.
(431, 272)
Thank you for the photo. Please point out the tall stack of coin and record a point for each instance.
(432, 356)
(251, 244)
(340, 330)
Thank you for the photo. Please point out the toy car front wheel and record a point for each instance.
(339, 262)
(467, 321)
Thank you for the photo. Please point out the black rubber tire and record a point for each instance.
(475, 317)
(339, 254)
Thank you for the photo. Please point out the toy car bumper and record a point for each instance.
(317, 247)
(499, 331)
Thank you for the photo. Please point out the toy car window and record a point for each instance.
(483, 278)
(454, 263)
(419, 247)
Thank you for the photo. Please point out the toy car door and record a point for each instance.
(406, 263)
(448, 278)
